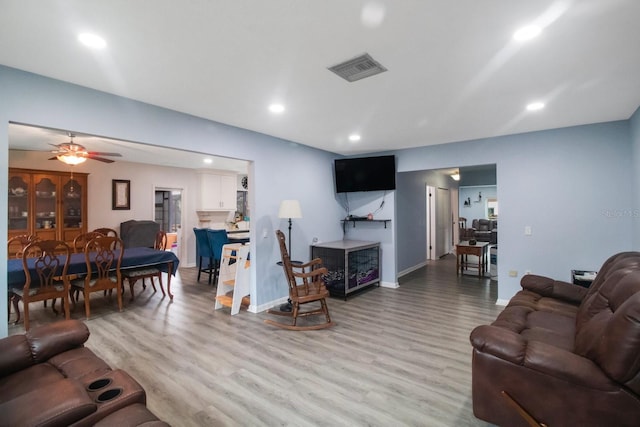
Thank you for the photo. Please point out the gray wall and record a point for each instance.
(411, 227)
(485, 175)
(570, 185)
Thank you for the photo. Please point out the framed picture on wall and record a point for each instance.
(120, 194)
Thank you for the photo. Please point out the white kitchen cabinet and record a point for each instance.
(217, 191)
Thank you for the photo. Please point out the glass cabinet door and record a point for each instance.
(18, 204)
(45, 205)
(72, 204)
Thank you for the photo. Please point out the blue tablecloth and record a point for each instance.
(132, 258)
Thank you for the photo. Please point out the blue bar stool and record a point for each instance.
(204, 250)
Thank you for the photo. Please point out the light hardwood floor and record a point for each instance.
(397, 357)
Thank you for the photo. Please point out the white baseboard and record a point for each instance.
(410, 269)
(392, 285)
(263, 307)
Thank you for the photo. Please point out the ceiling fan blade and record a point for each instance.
(98, 153)
(100, 159)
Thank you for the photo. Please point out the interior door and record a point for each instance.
(455, 214)
(431, 222)
(443, 222)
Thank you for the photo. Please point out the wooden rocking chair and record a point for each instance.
(306, 285)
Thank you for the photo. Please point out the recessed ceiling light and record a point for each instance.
(527, 33)
(208, 161)
(535, 106)
(354, 137)
(92, 40)
(276, 108)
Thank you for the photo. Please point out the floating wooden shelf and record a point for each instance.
(354, 221)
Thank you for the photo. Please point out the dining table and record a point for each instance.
(137, 257)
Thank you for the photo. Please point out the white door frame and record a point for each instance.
(431, 222)
(182, 254)
(455, 214)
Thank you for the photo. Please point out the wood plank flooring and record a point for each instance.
(397, 357)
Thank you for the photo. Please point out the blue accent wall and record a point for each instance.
(478, 196)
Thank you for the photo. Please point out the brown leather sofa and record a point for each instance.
(563, 355)
(48, 378)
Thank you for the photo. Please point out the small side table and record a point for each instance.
(480, 249)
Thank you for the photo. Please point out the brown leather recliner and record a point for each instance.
(48, 377)
(483, 229)
(563, 355)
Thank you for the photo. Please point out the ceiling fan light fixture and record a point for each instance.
(71, 158)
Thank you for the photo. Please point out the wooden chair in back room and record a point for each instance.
(107, 231)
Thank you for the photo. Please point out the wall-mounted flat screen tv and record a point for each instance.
(365, 174)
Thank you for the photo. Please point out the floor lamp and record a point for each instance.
(289, 209)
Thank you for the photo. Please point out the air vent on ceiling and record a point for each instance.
(358, 68)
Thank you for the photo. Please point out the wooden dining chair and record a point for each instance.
(82, 239)
(15, 248)
(306, 285)
(107, 231)
(103, 256)
(45, 274)
(78, 246)
(16, 244)
(134, 274)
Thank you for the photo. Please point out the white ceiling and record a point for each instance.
(454, 71)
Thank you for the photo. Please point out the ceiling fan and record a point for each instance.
(74, 154)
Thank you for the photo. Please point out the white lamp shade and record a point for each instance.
(290, 209)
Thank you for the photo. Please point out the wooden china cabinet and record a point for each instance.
(50, 204)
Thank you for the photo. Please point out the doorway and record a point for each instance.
(443, 222)
(168, 213)
(439, 222)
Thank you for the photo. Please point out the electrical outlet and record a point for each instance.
(264, 234)
(527, 230)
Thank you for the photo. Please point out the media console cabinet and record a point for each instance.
(352, 265)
